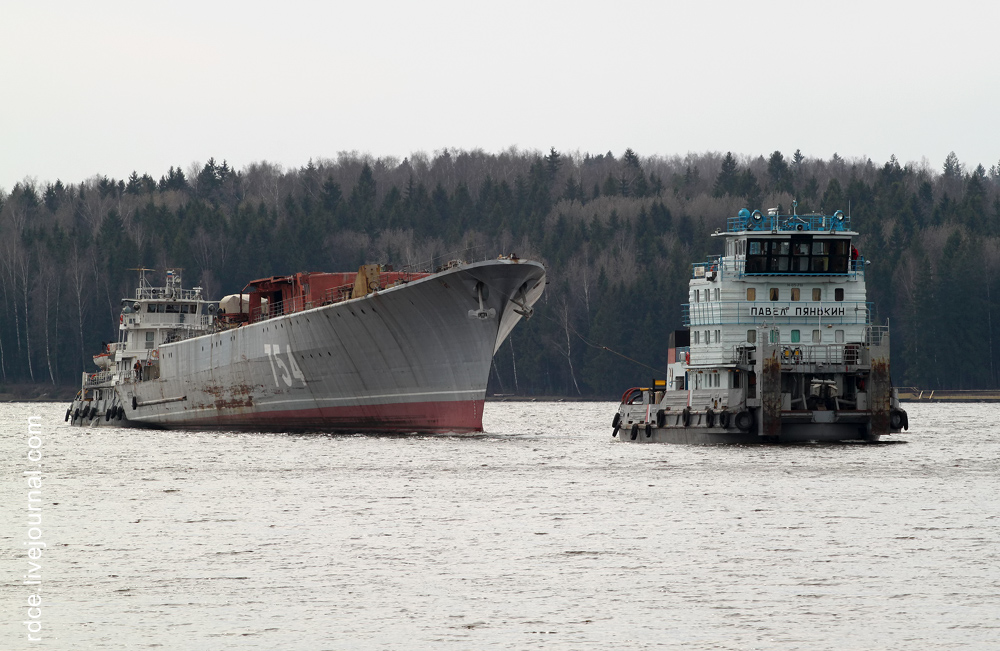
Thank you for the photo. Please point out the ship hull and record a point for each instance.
(411, 358)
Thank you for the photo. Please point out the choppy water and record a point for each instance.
(542, 533)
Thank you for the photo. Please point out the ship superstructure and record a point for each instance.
(779, 345)
(372, 351)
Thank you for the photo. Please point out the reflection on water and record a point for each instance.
(542, 533)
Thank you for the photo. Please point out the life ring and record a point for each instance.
(649, 430)
(709, 418)
(724, 418)
(661, 418)
(635, 430)
(154, 354)
(68, 412)
(744, 421)
(135, 403)
(616, 421)
(896, 419)
(686, 416)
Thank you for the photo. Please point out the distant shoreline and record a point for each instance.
(62, 393)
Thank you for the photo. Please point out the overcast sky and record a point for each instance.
(112, 87)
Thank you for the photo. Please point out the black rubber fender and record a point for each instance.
(617, 420)
(121, 412)
(896, 419)
(635, 430)
(76, 414)
(906, 420)
(135, 403)
(709, 417)
(68, 412)
(649, 430)
(107, 414)
(686, 416)
(724, 417)
(744, 421)
(85, 413)
(661, 418)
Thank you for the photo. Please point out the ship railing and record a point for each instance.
(338, 294)
(167, 292)
(786, 223)
(837, 354)
(736, 268)
(97, 379)
(184, 321)
(875, 334)
(279, 308)
(742, 354)
(777, 312)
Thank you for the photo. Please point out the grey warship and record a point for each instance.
(372, 351)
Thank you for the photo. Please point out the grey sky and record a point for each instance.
(144, 86)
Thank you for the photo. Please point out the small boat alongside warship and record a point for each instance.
(373, 351)
(779, 344)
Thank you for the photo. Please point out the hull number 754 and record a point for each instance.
(287, 371)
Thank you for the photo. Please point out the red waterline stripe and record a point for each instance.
(432, 417)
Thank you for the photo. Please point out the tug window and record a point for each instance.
(795, 293)
(839, 336)
(800, 254)
(751, 294)
(696, 337)
(838, 294)
(716, 293)
(774, 293)
(839, 252)
(751, 336)
(817, 337)
(817, 294)
(795, 336)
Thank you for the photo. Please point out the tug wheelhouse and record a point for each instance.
(779, 343)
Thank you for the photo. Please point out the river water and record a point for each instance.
(543, 533)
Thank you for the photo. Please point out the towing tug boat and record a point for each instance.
(779, 344)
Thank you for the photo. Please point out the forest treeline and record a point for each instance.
(617, 234)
